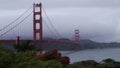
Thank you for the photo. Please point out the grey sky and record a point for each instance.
(17, 4)
(98, 20)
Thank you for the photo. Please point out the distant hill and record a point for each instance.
(84, 44)
(88, 44)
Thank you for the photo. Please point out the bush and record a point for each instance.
(84, 64)
(109, 60)
(75, 65)
(25, 46)
(11, 59)
(6, 57)
(38, 64)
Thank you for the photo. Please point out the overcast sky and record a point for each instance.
(98, 20)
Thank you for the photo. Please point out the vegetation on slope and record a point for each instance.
(26, 59)
(12, 59)
(107, 63)
(25, 46)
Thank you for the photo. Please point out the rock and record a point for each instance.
(53, 54)
(65, 60)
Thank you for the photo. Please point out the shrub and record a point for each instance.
(38, 64)
(25, 46)
(11, 59)
(75, 65)
(109, 60)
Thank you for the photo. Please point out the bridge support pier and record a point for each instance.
(18, 40)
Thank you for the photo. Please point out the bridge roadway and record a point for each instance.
(44, 41)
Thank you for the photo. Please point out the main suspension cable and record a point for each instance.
(15, 25)
(52, 24)
(15, 19)
(50, 29)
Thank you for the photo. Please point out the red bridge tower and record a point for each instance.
(77, 35)
(37, 22)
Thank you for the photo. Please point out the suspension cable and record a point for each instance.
(51, 23)
(50, 29)
(15, 19)
(15, 25)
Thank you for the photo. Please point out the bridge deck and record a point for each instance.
(44, 41)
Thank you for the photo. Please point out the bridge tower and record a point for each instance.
(37, 22)
(77, 35)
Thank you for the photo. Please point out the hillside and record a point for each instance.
(84, 44)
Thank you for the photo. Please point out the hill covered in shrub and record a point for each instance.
(13, 59)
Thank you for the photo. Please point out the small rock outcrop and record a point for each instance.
(53, 54)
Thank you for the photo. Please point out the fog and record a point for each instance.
(98, 20)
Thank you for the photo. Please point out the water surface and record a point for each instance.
(93, 54)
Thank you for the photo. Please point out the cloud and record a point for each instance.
(99, 24)
(97, 19)
(20, 4)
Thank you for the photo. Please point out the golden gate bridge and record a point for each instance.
(12, 33)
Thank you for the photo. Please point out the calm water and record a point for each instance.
(93, 54)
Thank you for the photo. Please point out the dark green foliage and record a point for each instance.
(109, 60)
(107, 63)
(84, 64)
(37, 64)
(25, 46)
(89, 62)
(11, 59)
(6, 57)
(75, 65)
